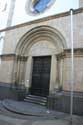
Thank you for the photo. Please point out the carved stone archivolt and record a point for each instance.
(48, 34)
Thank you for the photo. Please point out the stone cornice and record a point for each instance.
(11, 56)
(7, 57)
(21, 58)
(75, 11)
(78, 52)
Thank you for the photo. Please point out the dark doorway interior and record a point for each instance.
(41, 76)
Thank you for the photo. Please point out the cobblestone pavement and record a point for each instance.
(11, 118)
(6, 120)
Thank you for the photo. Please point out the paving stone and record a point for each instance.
(51, 122)
(26, 108)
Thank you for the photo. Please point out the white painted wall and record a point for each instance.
(59, 6)
(20, 15)
(4, 10)
(4, 13)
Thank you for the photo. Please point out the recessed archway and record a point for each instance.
(39, 33)
(34, 43)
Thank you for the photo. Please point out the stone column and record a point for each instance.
(53, 74)
(61, 73)
(28, 72)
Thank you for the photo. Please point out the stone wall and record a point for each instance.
(80, 3)
(61, 23)
(61, 102)
(6, 68)
(78, 74)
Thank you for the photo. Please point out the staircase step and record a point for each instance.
(36, 99)
(34, 96)
(35, 102)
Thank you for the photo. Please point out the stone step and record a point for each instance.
(34, 96)
(36, 99)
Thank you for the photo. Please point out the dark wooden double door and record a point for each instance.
(41, 76)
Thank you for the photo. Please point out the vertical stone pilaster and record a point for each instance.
(11, 12)
(28, 72)
(61, 73)
(53, 74)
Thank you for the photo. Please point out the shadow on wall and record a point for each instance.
(12, 92)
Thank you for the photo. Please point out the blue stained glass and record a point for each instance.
(41, 5)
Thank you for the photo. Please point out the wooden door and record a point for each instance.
(41, 76)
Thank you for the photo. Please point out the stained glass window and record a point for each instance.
(40, 5)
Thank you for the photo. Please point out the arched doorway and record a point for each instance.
(36, 54)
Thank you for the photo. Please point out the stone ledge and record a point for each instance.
(76, 11)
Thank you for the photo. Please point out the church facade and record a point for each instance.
(37, 55)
